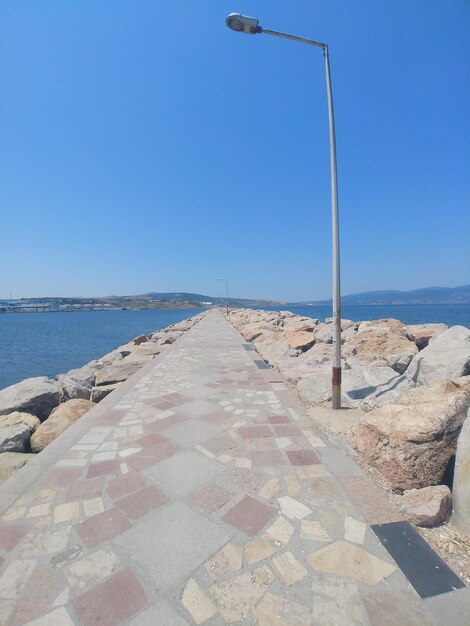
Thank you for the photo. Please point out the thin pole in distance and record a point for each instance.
(226, 293)
(251, 26)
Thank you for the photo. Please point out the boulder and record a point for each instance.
(14, 438)
(357, 384)
(422, 334)
(429, 506)
(381, 347)
(388, 392)
(37, 396)
(411, 440)
(60, 419)
(461, 486)
(98, 393)
(119, 371)
(140, 339)
(252, 331)
(77, 383)
(11, 462)
(446, 357)
(300, 339)
(324, 333)
(17, 418)
(345, 324)
(389, 325)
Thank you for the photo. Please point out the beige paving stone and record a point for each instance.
(197, 603)
(329, 519)
(205, 452)
(276, 611)
(235, 598)
(93, 506)
(293, 509)
(14, 514)
(229, 559)
(225, 458)
(314, 531)
(39, 510)
(337, 601)
(124, 468)
(40, 541)
(66, 512)
(44, 521)
(258, 549)
(15, 577)
(293, 485)
(354, 530)
(350, 561)
(58, 617)
(280, 532)
(304, 472)
(128, 452)
(243, 463)
(92, 569)
(282, 442)
(288, 568)
(270, 489)
(313, 440)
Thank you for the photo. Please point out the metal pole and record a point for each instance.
(336, 370)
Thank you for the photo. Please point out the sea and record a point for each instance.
(48, 344)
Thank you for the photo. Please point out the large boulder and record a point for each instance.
(60, 419)
(98, 393)
(380, 347)
(388, 392)
(119, 371)
(300, 339)
(23, 419)
(11, 462)
(422, 334)
(77, 383)
(446, 357)
(461, 486)
(37, 396)
(411, 440)
(389, 325)
(14, 438)
(357, 384)
(429, 506)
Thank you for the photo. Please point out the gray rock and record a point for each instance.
(119, 371)
(461, 486)
(15, 418)
(11, 462)
(445, 358)
(98, 393)
(429, 506)
(388, 392)
(37, 396)
(14, 438)
(77, 383)
(422, 334)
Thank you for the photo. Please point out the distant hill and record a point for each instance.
(429, 295)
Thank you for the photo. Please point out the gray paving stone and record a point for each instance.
(184, 473)
(338, 462)
(450, 608)
(171, 542)
(160, 614)
(190, 433)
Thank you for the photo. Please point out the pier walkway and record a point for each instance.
(199, 493)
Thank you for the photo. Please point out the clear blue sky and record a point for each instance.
(146, 147)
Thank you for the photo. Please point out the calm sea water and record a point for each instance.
(47, 344)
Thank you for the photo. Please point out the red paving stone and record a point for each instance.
(112, 602)
(11, 535)
(249, 515)
(40, 590)
(151, 440)
(278, 419)
(138, 462)
(267, 457)
(88, 488)
(123, 485)
(220, 443)
(102, 526)
(254, 432)
(175, 398)
(286, 430)
(211, 498)
(141, 502)
(103, 468)
(303, 457)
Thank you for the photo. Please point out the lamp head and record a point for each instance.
(243, 24)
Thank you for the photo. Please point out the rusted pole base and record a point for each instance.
(336, 388)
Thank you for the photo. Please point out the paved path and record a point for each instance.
(198, 494)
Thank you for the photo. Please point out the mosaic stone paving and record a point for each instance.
(198, 493)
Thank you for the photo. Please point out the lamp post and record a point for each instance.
(226, 293)
(250, 26)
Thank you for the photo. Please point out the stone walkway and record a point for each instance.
(198, 493)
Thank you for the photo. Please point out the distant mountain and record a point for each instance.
(429, 295)
(196, 298)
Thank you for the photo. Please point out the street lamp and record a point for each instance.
(226, 293)
(250, 26)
